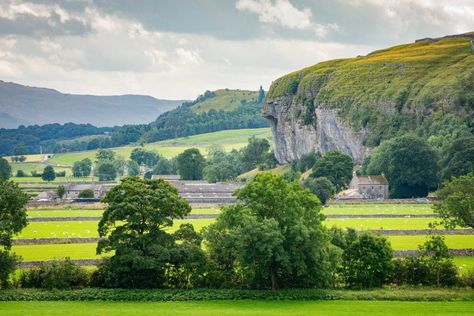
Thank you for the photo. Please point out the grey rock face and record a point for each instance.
(293, 139)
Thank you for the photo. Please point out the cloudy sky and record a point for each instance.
(176, 49)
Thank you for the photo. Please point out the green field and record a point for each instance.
(68, 229)
(380, 223)
(229, 139)
(412, 241)
(64, 213)
(56, 251)
(356, 209)
(58, 179)
(464, 263)
(241, 307)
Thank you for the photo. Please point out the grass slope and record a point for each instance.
(225, 100)
(228, 139)
(169, 148)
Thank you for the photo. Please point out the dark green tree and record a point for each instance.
(86, 194)
(61, 191)
(191, 164)
(104, 154)
(409, 164)
(457, 205)
(12, 221)
(458, 158)
(82, 168)
(273, 235)
(306, 161)
(366, 260)
(254, 153)
(261, 95)
(106, 171)
(144, 157)
(134, 225)
(163, 166)
(133, 168)
(322, 187)
(5, 169)
(48, 174)
(335, 166)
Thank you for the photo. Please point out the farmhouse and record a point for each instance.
(73, 190)
(370, 187)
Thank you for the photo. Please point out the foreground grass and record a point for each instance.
(248, 308)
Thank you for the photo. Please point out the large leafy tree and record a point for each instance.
(458, 158)
(106, 170)
(457, 205)
(133, 224)
(336, 167)
(5, 169)
(144, 157)
(272, 237)
(12, 221)
(322, 187)
(255, 152)
(366, 258)
(82, 168)
(191, 164)
(409, 164)
(48, 174)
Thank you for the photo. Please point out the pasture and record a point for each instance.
(229, 139)
(72, 229)
(240, 307)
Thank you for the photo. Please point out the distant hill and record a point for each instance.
(223, 109)
(24, 105)
(212, 111)
(224, 99)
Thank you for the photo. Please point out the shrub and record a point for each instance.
(467, 279)
(63, 274)
(7, 266)
(20, 173)
(86, 194)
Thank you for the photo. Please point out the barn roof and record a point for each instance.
(372, 180)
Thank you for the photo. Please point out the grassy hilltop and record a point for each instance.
(390, 90)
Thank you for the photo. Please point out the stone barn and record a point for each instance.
(370, 187)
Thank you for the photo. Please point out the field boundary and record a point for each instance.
(160, 295)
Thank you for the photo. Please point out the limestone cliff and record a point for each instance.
(353, 104)
(293, 139)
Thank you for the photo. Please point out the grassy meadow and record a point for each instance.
(73, 229)
(241, 307)
(228, 139)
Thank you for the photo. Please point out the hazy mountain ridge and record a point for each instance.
(21, 104)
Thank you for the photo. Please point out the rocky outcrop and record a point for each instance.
(293, 138)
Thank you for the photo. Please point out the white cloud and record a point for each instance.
(283, 13)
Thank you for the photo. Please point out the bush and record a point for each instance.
(7, 266)
(20, 174)
(86, 194)
(467, 279)
(61, 173)
(55, 275)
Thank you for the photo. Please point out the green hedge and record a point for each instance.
(395, 294)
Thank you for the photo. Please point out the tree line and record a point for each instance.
(271, 238)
